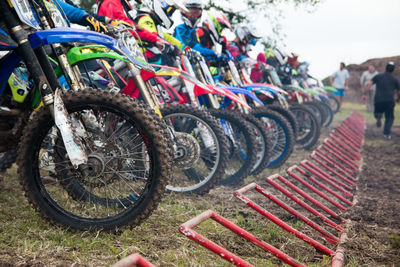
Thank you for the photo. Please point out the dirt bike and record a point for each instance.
(200, 144)
(280, 130)
(87, 159)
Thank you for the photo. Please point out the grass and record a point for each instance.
(26, 239)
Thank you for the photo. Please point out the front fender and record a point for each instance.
(71, 35)
(245, 92)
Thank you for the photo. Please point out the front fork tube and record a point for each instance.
(211, 98)
(145, 89)
(71, 73)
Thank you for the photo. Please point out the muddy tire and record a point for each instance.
(319, 112)
(280, 135)
(288, 115)
(309, 127)
(263, 145)
(242, 156)
(41, 185)
(210, 167)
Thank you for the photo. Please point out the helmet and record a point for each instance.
(247, 34)
(390, 66)
(223, 21)
(192, 15)
(210, 25)
(164, 9)
(215, 23)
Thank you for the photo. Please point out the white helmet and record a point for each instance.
(247, 34)
(192, 15)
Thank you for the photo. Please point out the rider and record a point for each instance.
(186, 32)
(257, 74)
(79, 16)
(122, 10)
(210, 32)
(153, 21)
(245, 36)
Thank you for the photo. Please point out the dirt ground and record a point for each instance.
(374, 235)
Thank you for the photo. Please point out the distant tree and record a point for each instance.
(259, 7)
(254, 9)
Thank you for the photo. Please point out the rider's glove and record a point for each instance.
(116, 22)
(172, 50)
(93, 24)
(222, 59)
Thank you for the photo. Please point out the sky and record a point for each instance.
(351, 31)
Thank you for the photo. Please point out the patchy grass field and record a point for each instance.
(25, 239)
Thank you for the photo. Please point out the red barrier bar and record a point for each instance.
(357, 136)
(342, 150)
(328, 236)
(304, 165)
(322, 173)
(318, 192)
(344, 140)
(279, 222)
(340, 157)
(347, 138)
(186, 229)
(133, 260)
(354, 129)
(314, 157)
(305, 205)
(343, 169)
(346, 147)
(350, 131)
(334, 146)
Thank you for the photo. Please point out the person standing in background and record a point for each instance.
(340, 81)
(365, 78)
(386, 84)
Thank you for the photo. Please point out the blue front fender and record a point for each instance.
(261, 87)
(245, 92)
(61, 35)
(71, 35)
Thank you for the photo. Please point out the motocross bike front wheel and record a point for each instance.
(334, 103)
(129, 162)
(263, 145)
(309, 127)
(280, 135)
(201, 149)
(318, 111)
(242, 145)
(329, 114)
(288, 115)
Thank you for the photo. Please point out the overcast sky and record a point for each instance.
(342, 30)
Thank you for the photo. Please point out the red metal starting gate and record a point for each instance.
(322, 186)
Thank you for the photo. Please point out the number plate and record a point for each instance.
(25, 13)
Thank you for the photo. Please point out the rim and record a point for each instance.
(116, 178)
(203, 170)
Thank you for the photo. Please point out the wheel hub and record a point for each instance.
(95, 166)
(187, 151)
